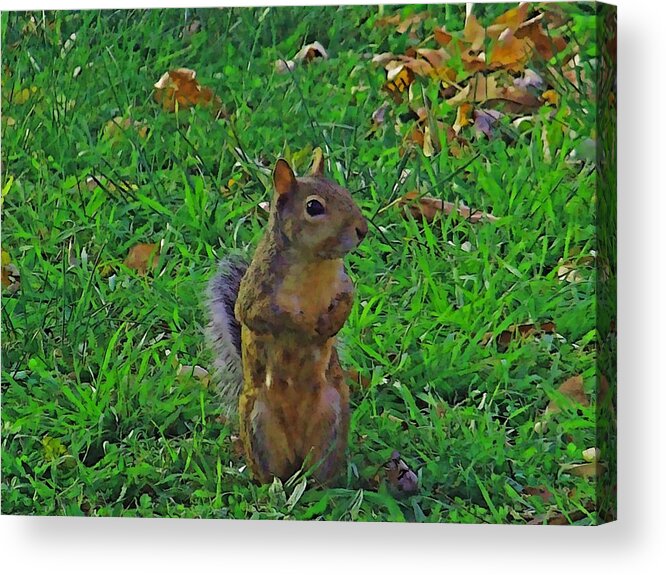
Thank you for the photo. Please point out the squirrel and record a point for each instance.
(273, 327)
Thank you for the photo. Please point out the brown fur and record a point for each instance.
(293, 300)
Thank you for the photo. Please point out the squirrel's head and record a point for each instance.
(315, 214)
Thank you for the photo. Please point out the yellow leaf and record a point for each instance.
(462, 117)
(399, 78)
(550, 97)
(53, 448)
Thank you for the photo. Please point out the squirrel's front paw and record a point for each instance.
(331, 322)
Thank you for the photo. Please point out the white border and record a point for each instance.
(634, 543)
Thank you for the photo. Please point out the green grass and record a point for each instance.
(95, 420)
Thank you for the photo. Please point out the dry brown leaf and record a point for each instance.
(540, 491)
(442, 37)
(429, 208)
(310, 52)
(457, 144)
(180, 89)
(10, 277)
(593, 469)
(511, 19)
(402, 26)
(143, 256)
(509, 52)
(574, 393)
(402, 480)
(436, 58)
(524, 330)
(474, 34)
(545, 45)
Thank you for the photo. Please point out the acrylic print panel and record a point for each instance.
(414, 317)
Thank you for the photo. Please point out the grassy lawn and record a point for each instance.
(96, 419)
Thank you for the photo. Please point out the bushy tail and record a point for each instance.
(224, 333)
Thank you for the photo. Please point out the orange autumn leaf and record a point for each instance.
(180, 89)
(462, 117)
(143, 256)
(398, 79)
(509, 52)
(442, 37)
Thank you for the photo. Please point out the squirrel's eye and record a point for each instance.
(314, 208)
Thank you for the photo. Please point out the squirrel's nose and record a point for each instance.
(362, 231)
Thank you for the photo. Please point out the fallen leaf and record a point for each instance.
(462, 117)
(284, 66)
(442, 37)
(550, 97)
(115, 129)
(545, 45)
(379, 115)
(529, 79)
(194, 371)
(265, 206)
(310, 52)
(10, 277)
(398, 78)
(429, 208)
(593, 469)
(509, 52)
(484, 120)
(402, 480)
(511, 19)
(473, 33)
(436, 58)
(571, 392)
(524, 330)
(591, 454)
(179, 89)
(143, 256)
(540, 491)
(401, 25)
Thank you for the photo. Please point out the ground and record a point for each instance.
(96, 419)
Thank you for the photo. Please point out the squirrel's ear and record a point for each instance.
(283, 178)
(317, 163)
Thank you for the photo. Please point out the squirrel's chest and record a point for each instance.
(308, 290)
